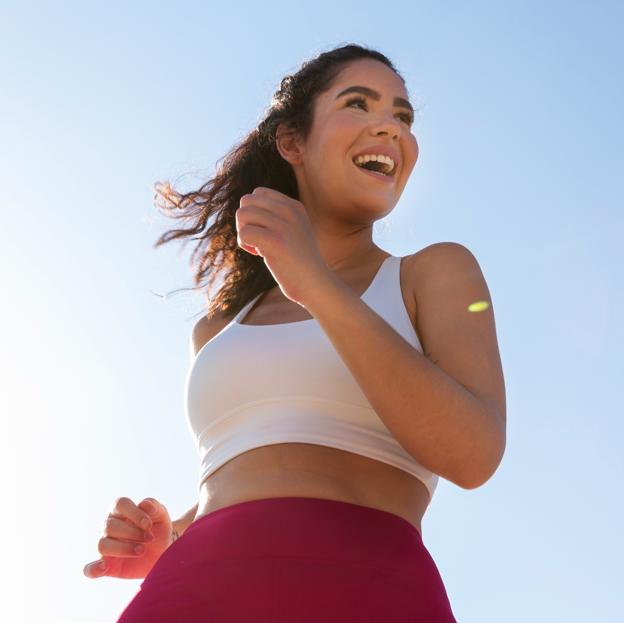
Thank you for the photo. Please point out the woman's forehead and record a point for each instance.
(368, 73)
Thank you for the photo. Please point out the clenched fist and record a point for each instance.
(146, 526)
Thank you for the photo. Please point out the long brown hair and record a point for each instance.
(254, 161)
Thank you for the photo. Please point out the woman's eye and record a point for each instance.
(406, 117)
(357, 100)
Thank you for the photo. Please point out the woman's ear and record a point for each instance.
(288, 144)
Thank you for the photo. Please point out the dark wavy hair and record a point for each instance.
(254, 161)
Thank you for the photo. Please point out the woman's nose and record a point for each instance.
(387, 125)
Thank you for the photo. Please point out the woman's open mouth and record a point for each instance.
(378, 166)
(375, 174)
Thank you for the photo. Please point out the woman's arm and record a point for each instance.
(178, 526)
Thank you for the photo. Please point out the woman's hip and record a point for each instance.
(294, 559)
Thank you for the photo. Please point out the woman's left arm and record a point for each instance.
(449, 411)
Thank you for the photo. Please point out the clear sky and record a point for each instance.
(519, 124)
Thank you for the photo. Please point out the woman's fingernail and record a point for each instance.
(139, 549)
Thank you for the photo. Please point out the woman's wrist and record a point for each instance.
(176, 532)
(178, 526)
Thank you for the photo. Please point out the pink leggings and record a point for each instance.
(295, 560)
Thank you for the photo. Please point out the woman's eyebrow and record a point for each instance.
(398, 101)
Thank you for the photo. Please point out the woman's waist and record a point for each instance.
(314, 472)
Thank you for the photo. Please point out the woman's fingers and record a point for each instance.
(95, 569)
(108, 546)
(120, 536)
(118, 528)
(125, 507)
(155, 511)
(133, 537)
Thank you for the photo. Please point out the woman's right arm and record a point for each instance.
(129, 525)
(181, 524)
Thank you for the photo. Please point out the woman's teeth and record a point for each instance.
(386, 161)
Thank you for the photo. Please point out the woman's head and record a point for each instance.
(302, 147)
(363, 109)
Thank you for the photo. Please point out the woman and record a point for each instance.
(321, 424)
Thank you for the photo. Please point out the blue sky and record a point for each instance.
(519, 125)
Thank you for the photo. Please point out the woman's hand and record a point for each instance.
(277, 227)
(127, 526)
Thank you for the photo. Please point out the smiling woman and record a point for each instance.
(322, 94)
(321, 440)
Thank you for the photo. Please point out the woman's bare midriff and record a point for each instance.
(310, 470)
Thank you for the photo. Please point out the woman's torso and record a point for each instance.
(310, 470)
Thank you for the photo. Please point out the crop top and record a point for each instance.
(258, 385)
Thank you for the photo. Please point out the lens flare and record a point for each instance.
(478, 306)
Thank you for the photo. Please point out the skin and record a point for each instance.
(342, 207)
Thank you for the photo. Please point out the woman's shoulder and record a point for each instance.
(422, 259)
(206, 328)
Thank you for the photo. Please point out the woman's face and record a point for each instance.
(377, 120)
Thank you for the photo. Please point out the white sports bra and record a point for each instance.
(258, 385)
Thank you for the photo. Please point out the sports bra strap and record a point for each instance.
(246, 308)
